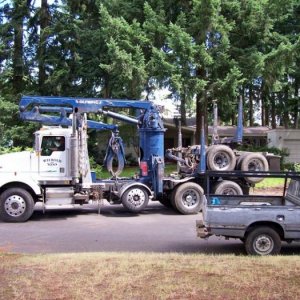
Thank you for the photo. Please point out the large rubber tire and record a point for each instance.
(188, 198)
(254, 162)
(263, 241)
(220, 158)
(16, 205)
(227, 187)
(135, 199)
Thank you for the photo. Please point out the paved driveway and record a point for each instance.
(78, 230)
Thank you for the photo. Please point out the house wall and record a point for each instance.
(288, 139)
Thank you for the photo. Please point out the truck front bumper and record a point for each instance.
(202, 231)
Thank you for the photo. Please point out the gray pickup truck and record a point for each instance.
(261, 222)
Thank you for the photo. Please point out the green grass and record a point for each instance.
(148, 276)
(131, 171)
(270, 183)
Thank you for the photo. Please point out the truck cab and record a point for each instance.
(52, 148)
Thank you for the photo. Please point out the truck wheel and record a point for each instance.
(135, 199)
(188, 198)
(227, 187)
(254, 162)
(16, 205)
(263, 241)
(220, 158)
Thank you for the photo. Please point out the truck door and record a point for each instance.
(53, 157)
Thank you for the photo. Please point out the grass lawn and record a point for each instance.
(131, 171)
(148, 276)
(270, 182)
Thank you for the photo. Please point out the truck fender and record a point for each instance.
(12, 181)
(125, 187)
(176, 182)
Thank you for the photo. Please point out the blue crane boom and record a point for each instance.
(150, 125)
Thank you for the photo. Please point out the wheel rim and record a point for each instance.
(15, 205)
(221, 160)
(229, 191)
(136, 197)
(190, 198)
(263, 244)
(255, 165)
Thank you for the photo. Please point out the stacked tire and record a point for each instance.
(223, 158)
(253, 162)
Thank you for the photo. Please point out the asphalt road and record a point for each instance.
(157, 229)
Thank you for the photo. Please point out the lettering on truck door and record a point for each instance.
(53, 157)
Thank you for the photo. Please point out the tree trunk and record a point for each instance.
(251, 106)
(263, 96)
(245, 115)
(183, 111)
(296, 107)
(18, 67)
(201, 108)
(44, 23)
(286, 106)
(273, 111)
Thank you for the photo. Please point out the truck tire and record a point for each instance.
(135, 199)
(254, 162)
(188, 198)
(227, 187)
(220, 158)
(263, 241)
(16, 205)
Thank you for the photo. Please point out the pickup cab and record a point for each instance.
(261, 222)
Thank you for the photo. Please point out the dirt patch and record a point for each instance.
(267, 191)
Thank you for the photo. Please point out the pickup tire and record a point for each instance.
(263, 241)
(227, 187)
(135, 199)
(188, 198)
(16, 205)
(220, 158)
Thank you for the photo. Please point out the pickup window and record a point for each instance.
(293, 192)
(52, 143)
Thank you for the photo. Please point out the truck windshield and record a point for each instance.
(52, 143)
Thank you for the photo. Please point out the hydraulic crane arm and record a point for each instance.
(83, 105)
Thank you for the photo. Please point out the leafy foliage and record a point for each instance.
(201, 50)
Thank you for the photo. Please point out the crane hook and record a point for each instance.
(115, 151)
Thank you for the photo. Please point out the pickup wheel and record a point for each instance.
(263, 241)
(16, 205)
(188, 198)
(135, 199)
